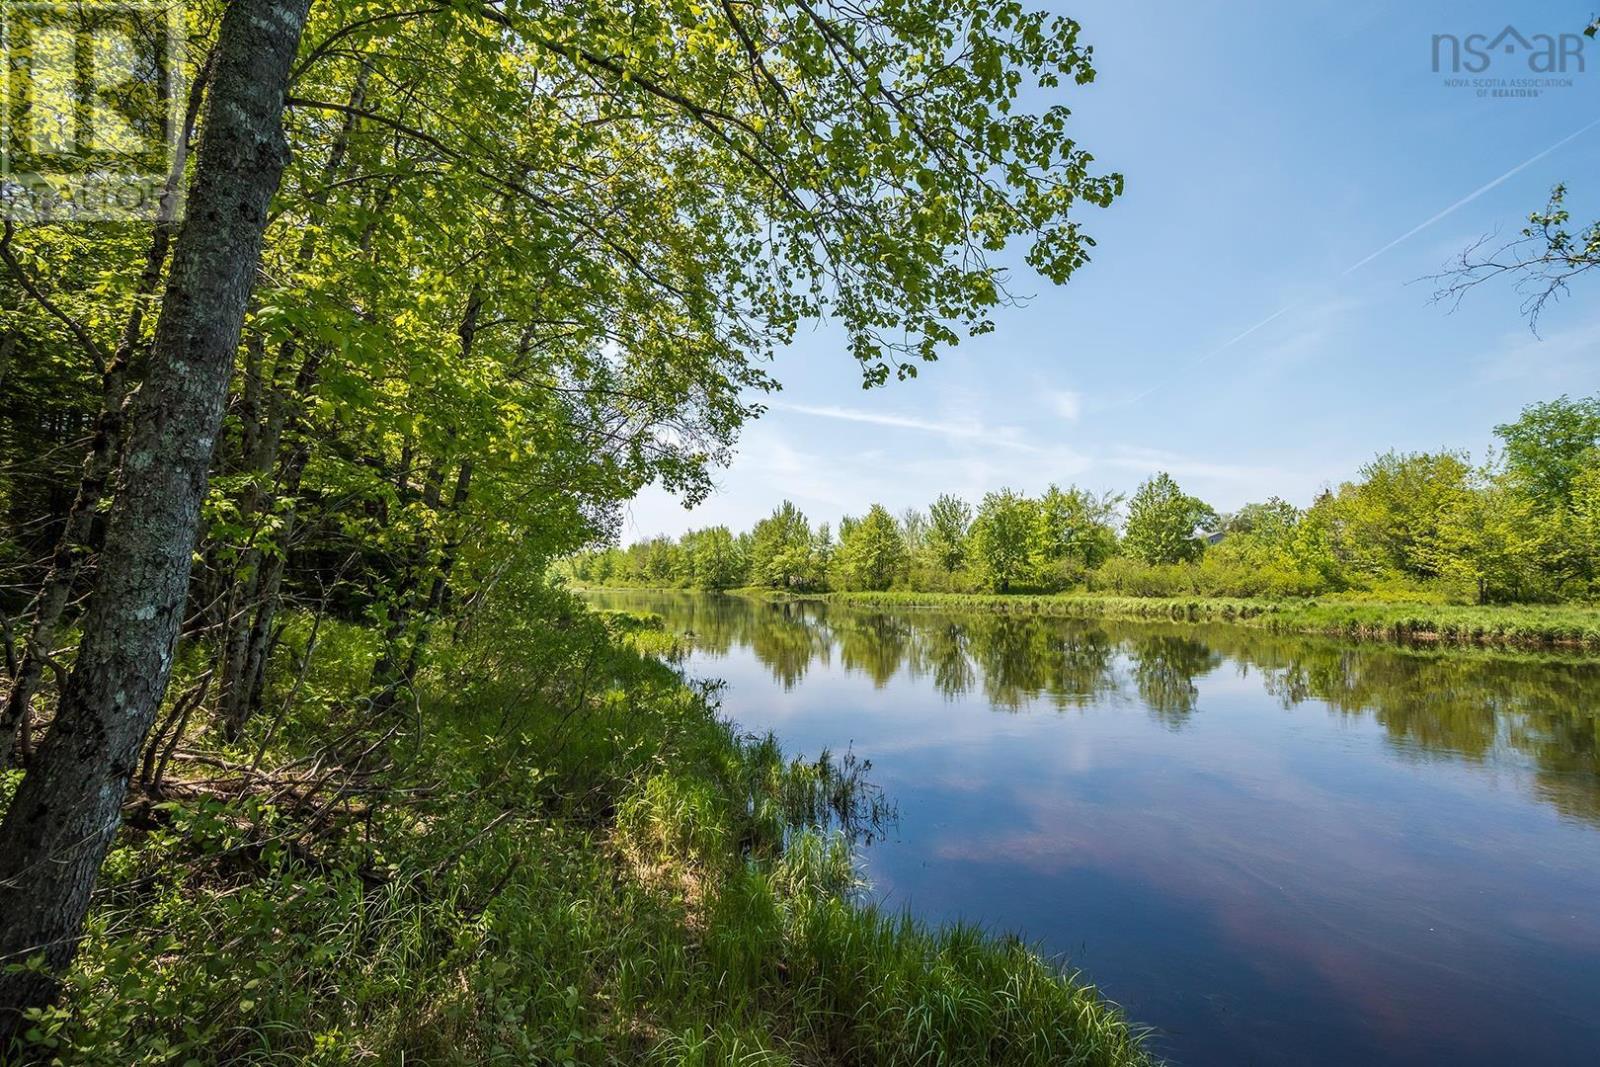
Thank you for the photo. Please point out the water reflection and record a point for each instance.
(1270, 848)
(1432, 704)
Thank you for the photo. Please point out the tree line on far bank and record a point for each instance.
(1523, 526)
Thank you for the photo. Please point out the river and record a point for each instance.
(1269, 849)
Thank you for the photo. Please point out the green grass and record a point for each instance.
(577, 862)
(1530, 626)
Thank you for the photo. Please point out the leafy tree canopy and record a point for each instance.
(1164, 521)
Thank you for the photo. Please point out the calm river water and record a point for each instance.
(1270, 849)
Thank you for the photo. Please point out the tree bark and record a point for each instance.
(67, 810)
(253, 596)
(72, 547)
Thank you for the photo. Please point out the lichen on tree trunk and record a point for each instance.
(66, 811)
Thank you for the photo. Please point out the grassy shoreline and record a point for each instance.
(1513, 626)
(578, 861)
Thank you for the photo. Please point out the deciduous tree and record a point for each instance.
(61, 822)
(1163, 522)
(948, 520)
(871, 550)
(1002, 538)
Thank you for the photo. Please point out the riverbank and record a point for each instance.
(560, 854)
(1520, 626)
(1164, 779)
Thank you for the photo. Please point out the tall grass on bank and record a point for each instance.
(1530, 626)
(569, 859)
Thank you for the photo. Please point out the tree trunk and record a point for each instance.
(66, 812)
(390, 676)
(72, 547)
(254, 590)
(291, 471)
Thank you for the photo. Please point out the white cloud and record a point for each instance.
(971, 476)
(955, 429)
(1564, 360)
(1317, 318)
(829, 475)
(1151, 460)
(1066, 403)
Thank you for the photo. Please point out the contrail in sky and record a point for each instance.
(967, 430)
(1469, 198)
(1223, 347)
(1463, 202)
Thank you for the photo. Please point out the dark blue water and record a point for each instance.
(1270, 849)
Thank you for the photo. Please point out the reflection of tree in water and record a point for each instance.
(786, 637)
(1451, 705)
(1164, 669)
(1566, 748)
(1023, 659)
(1081, 668)
(1011, 653)
(714, 623)
(1427, 707)
(941, 652)
(1431, 704)
(875, 644)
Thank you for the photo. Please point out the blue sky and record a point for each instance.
(1235, 326)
